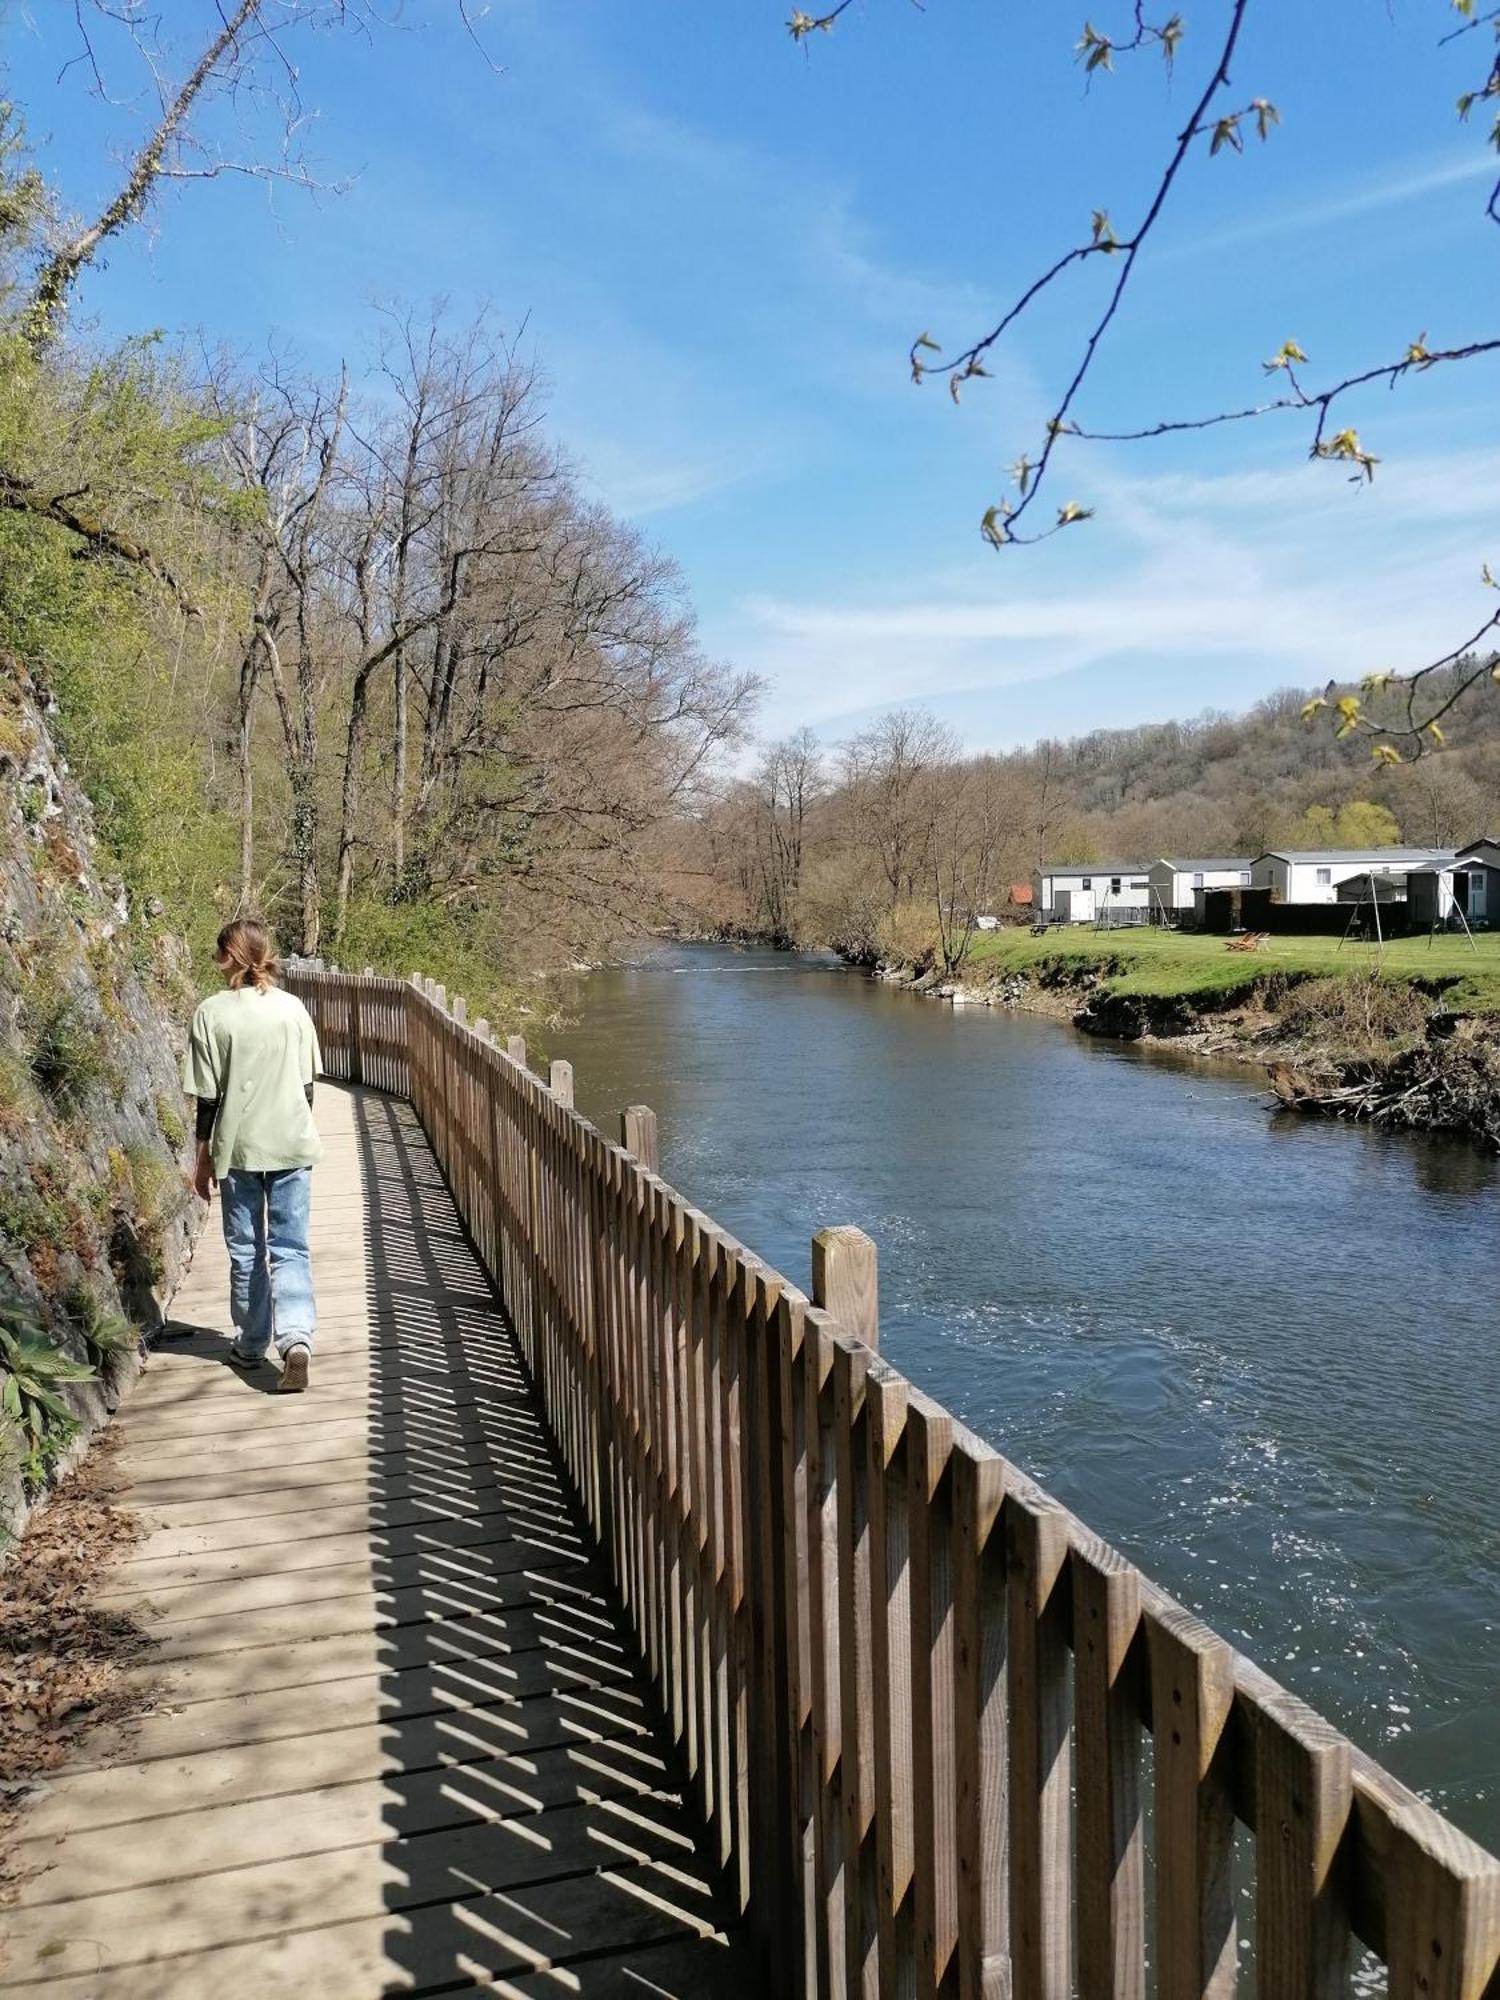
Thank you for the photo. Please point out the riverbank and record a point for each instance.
(1406, 1034)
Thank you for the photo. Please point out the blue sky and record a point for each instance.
(721, 247)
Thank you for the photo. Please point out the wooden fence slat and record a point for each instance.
(798, 1833)
(981, 1644)
(825, 1681)
(1192, 1690)
(890, 1667)
(1442, 1911)
(1040, 1836)
(856, 1680)
(1304, 1797)
(1107, 1735)
(929, 1433)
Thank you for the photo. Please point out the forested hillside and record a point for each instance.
(892, 843)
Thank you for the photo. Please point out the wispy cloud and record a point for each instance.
(1412, 182)
(643, 486)
(1235, 579)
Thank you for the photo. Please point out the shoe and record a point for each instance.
(238, 1358)
(294, 1366)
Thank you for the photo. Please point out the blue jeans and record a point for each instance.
(270, 1271)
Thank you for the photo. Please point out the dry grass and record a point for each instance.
(1359, 1015)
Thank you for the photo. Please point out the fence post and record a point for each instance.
(560, 1080)
(638, 1135)
(845, 1281)
(460, 1009)
(515, 1048)
(356, 1034)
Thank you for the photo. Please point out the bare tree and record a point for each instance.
(976, 814)
(787, 784)
(887, 775)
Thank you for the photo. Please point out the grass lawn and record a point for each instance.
(1164, 963)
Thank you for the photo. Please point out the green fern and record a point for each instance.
(109, 1336)
(29, 1398)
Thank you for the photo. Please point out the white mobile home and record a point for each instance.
(1480, 861)
(1091, 891)
(1313, 875)
(1467, 886)
(1174, 880)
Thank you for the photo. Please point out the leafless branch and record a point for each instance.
(60, 272)
(1417, 360)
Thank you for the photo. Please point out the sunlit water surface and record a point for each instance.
(1259, 1353)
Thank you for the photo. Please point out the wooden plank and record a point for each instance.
(1441, 1899)
(934, 1776)
(890, 1663)
(790, 1333)
(638, 1135)
(1192, 1684)
(1304, 1796)
(856, 1669)
(1107, 1703)
(825, 1651)
(517, 1944)
(845, 1281)
(981, 1643)
(1036, 1534)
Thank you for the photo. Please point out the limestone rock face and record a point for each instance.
(95, 1214)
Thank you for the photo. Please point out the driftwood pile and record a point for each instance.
(1448, 1083)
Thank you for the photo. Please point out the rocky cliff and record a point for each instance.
(95, 1217)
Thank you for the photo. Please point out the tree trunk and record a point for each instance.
(398, 803)
(305, 855)
(247, 779)
(354, 747)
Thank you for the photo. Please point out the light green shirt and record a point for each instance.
(256, 1051)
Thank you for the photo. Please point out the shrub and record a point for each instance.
(908, 935)
(1359, 1014)
(173, 1125)
(66, 1052)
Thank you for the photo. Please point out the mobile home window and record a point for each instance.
(1198, 879)
(1244, 878)
(1324, 878)
(1087, 882)
(1114, 885)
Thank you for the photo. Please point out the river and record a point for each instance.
(1258, 1353)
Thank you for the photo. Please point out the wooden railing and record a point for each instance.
(943, 1739)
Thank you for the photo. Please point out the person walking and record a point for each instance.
(251, 1061)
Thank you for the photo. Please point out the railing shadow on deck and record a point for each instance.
(534, 1820)
(941, 1737)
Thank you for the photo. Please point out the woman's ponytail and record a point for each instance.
(246, 955)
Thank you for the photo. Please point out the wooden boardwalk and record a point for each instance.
(398, 1741)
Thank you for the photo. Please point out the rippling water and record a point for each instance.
(1258, 1353)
